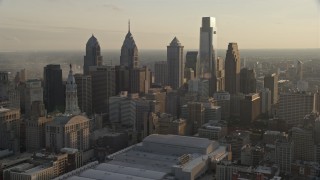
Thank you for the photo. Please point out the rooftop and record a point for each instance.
(176, 140)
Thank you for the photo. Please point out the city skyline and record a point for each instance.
(291, 24)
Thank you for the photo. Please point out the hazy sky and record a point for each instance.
(67, 24)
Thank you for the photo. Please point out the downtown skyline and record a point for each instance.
(290, 24)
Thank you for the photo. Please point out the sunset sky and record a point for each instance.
(67, 24)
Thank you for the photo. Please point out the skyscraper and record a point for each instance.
(53, 88)
(103, 87)
(93, 55)
(248, 82)
(84, 92)
(192, 61)
(10, 129)
(161, 73)
(175, 64)
(129, 52)
(299, 71)
(33, 92)
(232, 69)
(71, 95)
(122, 78)
(140, 80)
(271, 82)
(208, 51)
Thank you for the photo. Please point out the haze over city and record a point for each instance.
(36, 25)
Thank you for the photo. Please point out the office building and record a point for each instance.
(140, 80)
(236, 140)
(222, 99)
(175, 64)
(294, 106)
(173, 103)
(271, 82)
(129, 52)
(284, 155)
(235, 104)
(188, 74)
(265, 96)
(168, 124)
(4, 85)
(199, 86)
(53, 88)
(36, 127)
(299, 71)
(303, 139)
(195, 118)
(103, 87)
(10, 129)
(69, 132)
(159, 96)
(208, 52)
(248, 82)
(93, 55)
(71, 95)
(220, 75)
(213, 130)
(232, 69)
(122, 78)
(250, 109)
(84, 92)
(161, 73)
(158, 157)
(192, 61)
(33, 92)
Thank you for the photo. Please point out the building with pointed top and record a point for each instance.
(71, 95)
(232, 69)
(93, 55)
(175, 63)
(129, 52)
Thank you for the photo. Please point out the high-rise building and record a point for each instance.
(33, 92)
(10, 129)
(192, 61)
(195, 120)
(284, 155)
(232, 69)
(71, 95)
(68, 132)
(4, 84)
(140, 80)
(122, 78)
(208, 52)
(299, 71)
(35, 127)
(250, 108)
(53, 88)
(199, 86)
(129, 52)
(248, 82)
(161, 73)
(103, 87)
(93, 55)
(271, 82)
(303, 139)
(222, 99)
(84, 92)
(294, 106)
(169, 124)
(173, 103)
(175, 64)
(220, 75)
(265, 96)
(188, 74)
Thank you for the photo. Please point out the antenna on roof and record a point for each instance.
(129, 25)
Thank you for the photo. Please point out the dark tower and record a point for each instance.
(93, 55)
(232, 69)
(53, 88)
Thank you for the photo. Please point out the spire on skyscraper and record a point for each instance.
(129, 51)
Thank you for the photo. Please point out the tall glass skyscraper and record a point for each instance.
(208, 51)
